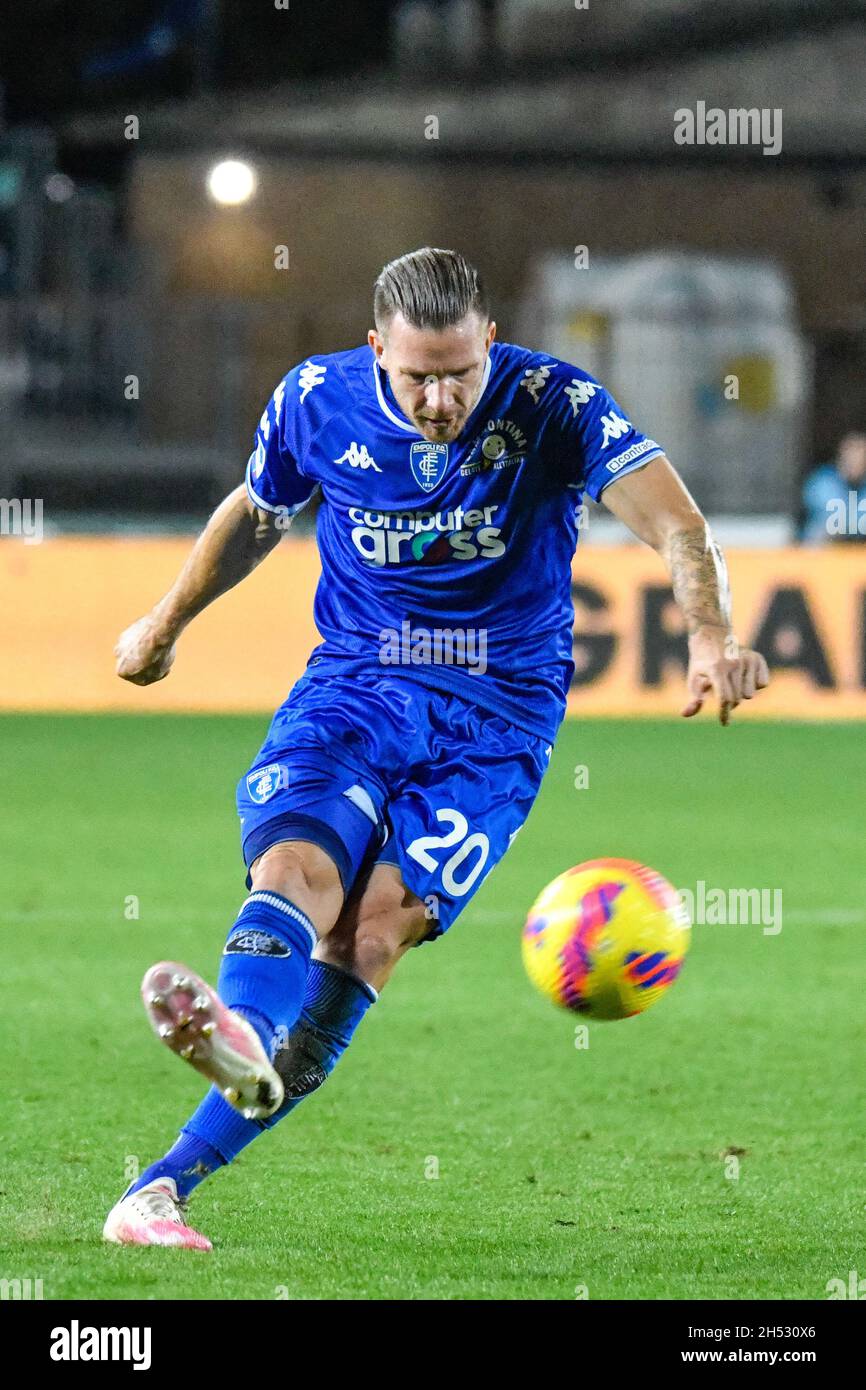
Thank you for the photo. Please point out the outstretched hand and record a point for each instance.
(718, 666)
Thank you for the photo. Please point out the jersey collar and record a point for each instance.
(400, 420)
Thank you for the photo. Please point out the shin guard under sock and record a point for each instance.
(265, 964)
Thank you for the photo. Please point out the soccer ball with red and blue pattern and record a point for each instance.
(606, 938)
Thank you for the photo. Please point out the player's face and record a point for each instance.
(435, 374)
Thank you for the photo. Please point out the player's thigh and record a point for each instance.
(379, 922)
(457, 817)
(312, 806)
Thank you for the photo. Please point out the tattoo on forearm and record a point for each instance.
(699, 577)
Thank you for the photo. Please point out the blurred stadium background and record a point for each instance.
(720, 292)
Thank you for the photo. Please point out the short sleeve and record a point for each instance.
(602, 442)
(275, 480)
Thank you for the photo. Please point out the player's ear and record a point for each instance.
(375, 342)
(491, 334)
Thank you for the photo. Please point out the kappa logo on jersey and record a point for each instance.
(266, 781)
(579, 392)
(358, 456)
(428, 463)
(614, 428)
(260, 453)
(309, 376)
(277, 402)
(503, 445)
(535, 380)
(257, 459)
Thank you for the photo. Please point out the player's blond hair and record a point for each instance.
(431, 288)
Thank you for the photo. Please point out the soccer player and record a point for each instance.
(450, 469)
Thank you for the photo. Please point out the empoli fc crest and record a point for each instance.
(265, 781)
(428, 463)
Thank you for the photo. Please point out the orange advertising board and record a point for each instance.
(804, 609)
(63, 602)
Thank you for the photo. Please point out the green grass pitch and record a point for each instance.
(559, 1168)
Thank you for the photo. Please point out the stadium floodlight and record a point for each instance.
(231, 181)
(59, 188)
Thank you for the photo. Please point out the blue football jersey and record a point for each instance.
(472, 539)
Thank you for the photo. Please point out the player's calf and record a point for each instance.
(379, 923)
(377, 926)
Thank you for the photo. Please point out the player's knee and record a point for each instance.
(387, 925)
(370, 953)
(389, 919)
(304, 874)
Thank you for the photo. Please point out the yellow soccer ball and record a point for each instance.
(606, 938)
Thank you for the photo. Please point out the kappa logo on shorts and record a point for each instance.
(255, 943)
(266, 781)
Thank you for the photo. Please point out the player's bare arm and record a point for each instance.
(657, 508)
(238, 536)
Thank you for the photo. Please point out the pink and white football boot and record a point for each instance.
(192, 1020)
(154, 1215)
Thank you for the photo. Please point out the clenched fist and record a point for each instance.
(145, 651)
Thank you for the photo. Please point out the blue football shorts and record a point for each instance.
(378, 769)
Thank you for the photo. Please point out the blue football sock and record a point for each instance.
(265, 964)
(190, 1160)
(334, 1004)
(263, 977)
